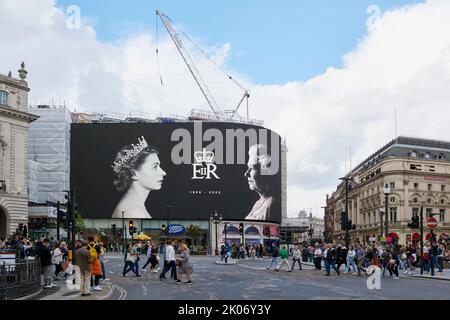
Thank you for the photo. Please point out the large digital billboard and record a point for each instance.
(179, 170)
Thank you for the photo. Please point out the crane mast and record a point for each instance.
(190, 64)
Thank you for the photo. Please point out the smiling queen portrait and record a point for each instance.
(137, 172)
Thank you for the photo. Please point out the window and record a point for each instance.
(368, 216)
(415, 200)
(429, 186)
(429, 211)
(416, 185)
(443, 187)
(441, 214)
(417, 167)
(431, 168)
(3, 98)
(392, 185)
(393, 214)
(415, 212)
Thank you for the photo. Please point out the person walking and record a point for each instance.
(330, 259)
(297, 257)
(185, 265)
(130, 261)
(57, 259)
(96, 269)
(274, 253)
(318, 257)
(149, 259)
(83, 260)
(284, 255)
(169, 261)
(351, 255)
(44, 254)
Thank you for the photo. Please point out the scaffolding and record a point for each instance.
(49, 154)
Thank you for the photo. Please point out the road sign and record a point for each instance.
(432, 223)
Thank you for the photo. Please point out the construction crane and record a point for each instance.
(170, 27)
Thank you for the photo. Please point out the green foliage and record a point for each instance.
(194, 232)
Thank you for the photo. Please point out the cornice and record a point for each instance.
(16, 114)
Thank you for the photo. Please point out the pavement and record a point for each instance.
(61, 292)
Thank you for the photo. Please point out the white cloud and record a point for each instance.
(403, 62)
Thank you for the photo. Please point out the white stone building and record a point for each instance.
(14, 121)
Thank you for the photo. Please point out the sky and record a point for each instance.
(326, 75)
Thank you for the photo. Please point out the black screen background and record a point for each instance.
(93, 150)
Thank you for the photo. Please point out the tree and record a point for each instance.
(79, 223)
(194, 232)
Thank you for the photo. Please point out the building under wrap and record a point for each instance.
(49, 154)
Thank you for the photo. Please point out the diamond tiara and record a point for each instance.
(136, 149)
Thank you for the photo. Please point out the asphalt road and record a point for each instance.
(249, 280)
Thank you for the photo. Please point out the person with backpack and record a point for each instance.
(96, 266)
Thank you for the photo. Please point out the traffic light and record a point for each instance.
(343, 220)
(266, 231)
(350, 225)
(113, 229)
(163, 230)
(130, 227)
(414, 222)
(241, 228)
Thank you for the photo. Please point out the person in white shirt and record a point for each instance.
(318, 258)
(351, 253)
(169, 262)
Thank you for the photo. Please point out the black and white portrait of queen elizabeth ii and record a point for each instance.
(137, 171)
(261, 182)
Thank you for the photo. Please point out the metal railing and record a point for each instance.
(20, 279)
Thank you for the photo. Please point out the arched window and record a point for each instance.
(3, 98)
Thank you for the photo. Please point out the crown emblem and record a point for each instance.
(136, 149)
(204, 156)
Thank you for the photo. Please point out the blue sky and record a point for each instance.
(273, 42)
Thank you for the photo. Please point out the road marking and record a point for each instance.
(123, 292)
(254, 268)
(144, 289)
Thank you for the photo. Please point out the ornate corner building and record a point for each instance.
(410, 173)
(14, 121)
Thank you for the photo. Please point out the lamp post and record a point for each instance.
(381, 222)
(225, 232)
(347, 236)
(216, 219)
(123, 231)
(386, 191)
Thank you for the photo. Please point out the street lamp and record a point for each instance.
(216, 219)
(347, 236)
(225, 232)
(123, 233)
(381, 222)
(386, 191)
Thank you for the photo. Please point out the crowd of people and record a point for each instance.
(357, 258)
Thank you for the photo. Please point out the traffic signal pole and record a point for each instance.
(72, 218)
(347, 236)
(421, 240)
(58, 218)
